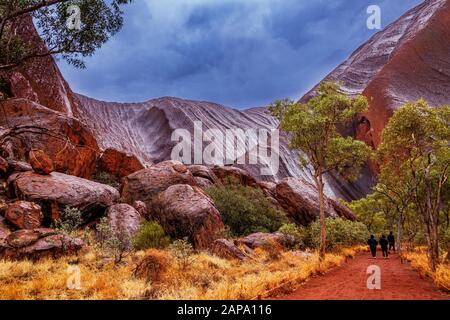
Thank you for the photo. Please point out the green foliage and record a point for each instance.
(106, 178)
(70, 219)
(372, 212)
(340, 233)
(151, 235)
(245, 210)
(415, 153)
(313, 130)
(294, 235)
(182, 250)
(100, 19)
(118, 244)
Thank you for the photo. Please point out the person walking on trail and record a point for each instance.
(384, 246)
(391, 240)
(373, 246)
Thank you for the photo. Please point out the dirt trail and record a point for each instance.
(348, 282)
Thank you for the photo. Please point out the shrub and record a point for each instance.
(106, 178)
(152, 266)
(294, 235)
(118, 244)
(151, 235)
(69, 220)
(182, 250)
(340, 232)
(245, 209)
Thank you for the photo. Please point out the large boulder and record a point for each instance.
(5, 230)
(28, 125)
(262, 240)
(234, 174)
(142, 208)
(38, 243)
(56, 191)
(123, 218)
(40, 162)
(118, 163)
(300, 200)
(226, 249)
(145, 184)
(204, 176)
(186, 211)
(18, 166)
(24, 215)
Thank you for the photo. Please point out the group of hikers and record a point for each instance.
(386, 243)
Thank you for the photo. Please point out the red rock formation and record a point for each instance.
(36, 244)
(24, 215)
(40, 162)
(119, 164)
(226, 249)
(124, 219)
(406, 61)
(145, 184)
(40, 80)
(27, 126)
(56, 191)
(186, 211)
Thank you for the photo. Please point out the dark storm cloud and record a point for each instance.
(236, 52)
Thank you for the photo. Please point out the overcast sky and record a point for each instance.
(240, 53)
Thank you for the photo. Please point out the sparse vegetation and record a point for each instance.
(115, 243)
(106, 178)
(340, 233)
(70, 219)
(295, 235)
(182, 250)
(245, 210)
(151, 235)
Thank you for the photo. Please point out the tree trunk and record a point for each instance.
(433, 249)
(323, 230)
(399, 233)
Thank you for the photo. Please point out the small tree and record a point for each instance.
(182, 250)
(415, 146)
(115, 242)
(313, 130)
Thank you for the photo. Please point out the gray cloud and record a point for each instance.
(239, 53)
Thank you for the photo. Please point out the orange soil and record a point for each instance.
(348, 282)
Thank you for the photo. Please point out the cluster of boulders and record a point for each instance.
(168, 192)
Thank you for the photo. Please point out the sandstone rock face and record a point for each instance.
(3, 166)
(226, 249)
(406, 61)
(28, 125)
(145, 184)
(300, 200)
(119, 164)
(36, 244)
(56, 191)
(186, 211)
(18, 166)
(142, 208)
(24, 215)
(4, 229)
(40, 162)
(145, 130)
(41, 81)
(204, 176)
(234, 174)
(123, 218)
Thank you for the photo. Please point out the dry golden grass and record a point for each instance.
(208, 277)
(419, 261)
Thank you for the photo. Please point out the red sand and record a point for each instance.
(348, 282)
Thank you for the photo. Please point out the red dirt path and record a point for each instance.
(348, 282)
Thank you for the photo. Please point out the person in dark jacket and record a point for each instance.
(373, 246)
(384, 246)
(391, 241)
